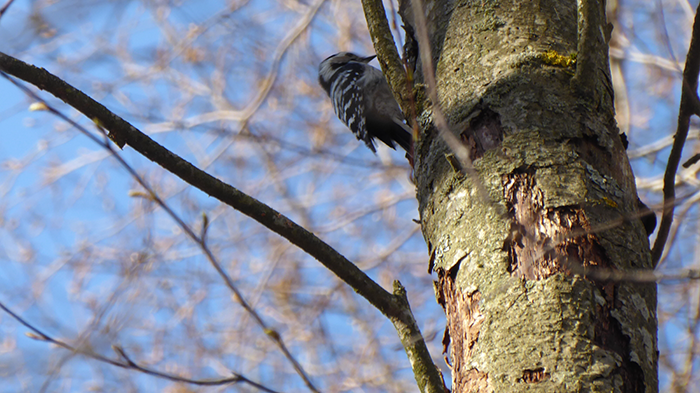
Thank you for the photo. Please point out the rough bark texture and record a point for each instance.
(554, 193)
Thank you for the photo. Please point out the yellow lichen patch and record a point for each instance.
(555, 59)
(610, 202)
(605, 201)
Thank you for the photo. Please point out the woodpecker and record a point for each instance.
(362, 100)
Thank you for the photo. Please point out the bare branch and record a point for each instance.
(387, 55)
(688, 106)
(120, 130)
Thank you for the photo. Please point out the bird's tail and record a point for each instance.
(403, 137)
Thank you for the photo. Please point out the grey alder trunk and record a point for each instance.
(551, 193)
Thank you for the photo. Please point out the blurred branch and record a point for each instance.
(688, 107)
(459, 149)
(685, 204)
(655, 147)
(5, 7)
(325, 154)
(243, 115)
(638, 275)
(634, 55)
(126, 362)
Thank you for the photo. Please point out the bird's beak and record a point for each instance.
(368, 58)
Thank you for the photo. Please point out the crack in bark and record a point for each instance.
(462, 331)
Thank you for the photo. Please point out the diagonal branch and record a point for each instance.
(124, 133)
(394, 306)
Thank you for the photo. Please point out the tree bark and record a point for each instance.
(525, 86)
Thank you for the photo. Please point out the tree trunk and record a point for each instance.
(551, 193)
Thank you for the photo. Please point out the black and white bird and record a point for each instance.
(362, 100)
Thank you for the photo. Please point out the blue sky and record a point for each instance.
(70, 232)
